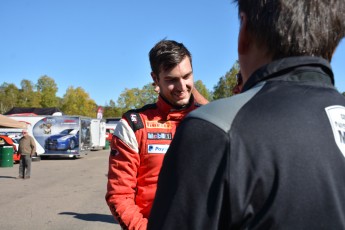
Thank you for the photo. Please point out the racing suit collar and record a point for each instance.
(171, 112)
(285, 65)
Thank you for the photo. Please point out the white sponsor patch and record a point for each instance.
(162, 149)
(159, 136)
(336, 116)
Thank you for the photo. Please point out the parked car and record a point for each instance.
(110, 125)
(109, 134)
(65, 140)
(7, 141)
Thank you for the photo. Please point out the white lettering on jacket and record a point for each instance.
(336, 116)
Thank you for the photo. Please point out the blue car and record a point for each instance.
(67, 139)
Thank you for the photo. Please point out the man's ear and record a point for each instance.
(243, 35)
(154, 78)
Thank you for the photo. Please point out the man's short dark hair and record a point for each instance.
(166, 54)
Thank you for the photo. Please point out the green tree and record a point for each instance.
(9, 94)
(199, 85)
(59, 102)
(78, 102)
(28, 97)
(111, 110)
(129, 99)
(226, 83)
(47, 89)
(136, 98)
(148, 94)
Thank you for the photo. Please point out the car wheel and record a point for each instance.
(35, 158)
(72, 144)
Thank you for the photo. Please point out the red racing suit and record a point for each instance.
(139, 144)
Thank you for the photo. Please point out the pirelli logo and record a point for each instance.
(157, 125)
(159, 136)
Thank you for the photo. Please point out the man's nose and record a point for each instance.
(181, 84)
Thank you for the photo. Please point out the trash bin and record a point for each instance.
(6, 156)
(107, 145)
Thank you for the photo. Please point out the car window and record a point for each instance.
(110, 131)
(74, 131)
(65, 132)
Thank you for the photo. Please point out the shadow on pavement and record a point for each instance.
(91, 217)
(47, 158)
(8, 177)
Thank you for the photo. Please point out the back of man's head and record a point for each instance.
(295, 27)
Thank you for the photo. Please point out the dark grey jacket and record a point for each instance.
(269, 158)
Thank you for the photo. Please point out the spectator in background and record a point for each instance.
(143, 136)
(273, 157)
(200, 99)
(26, 149)
(239, 83)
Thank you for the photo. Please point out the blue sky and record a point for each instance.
(102, 45)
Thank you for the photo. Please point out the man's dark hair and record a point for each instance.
(295, 27)
(166, 54)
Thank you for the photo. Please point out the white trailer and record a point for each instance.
(58, 135)
(97, 129)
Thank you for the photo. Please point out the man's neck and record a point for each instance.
(191, 100)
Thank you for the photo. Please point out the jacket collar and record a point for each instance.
(286, 65)
(170, 112)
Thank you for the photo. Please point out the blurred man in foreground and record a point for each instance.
(272, 157)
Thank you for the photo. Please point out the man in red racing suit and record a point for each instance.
(136, 157)
(143, 136)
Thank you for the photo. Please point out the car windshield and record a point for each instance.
(15, 140)
(66, 131)
(74, 131)
(110, 131)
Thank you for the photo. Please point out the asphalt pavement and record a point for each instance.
(62, 193)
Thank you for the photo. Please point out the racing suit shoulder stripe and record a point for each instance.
(124, 132)
(224, 118)
(134, 119)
